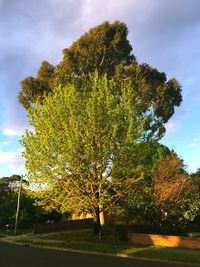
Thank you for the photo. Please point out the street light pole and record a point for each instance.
(18, 204)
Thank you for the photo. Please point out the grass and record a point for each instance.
(164, 253)
(109, 236)
(12, 233)
(110, 243)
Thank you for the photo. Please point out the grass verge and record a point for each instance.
(12, 233)
(85, 240)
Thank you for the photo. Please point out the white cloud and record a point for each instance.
(13, 160)
(171, 127)
(163, 34)
(195, 142)
(11, 132)
(4, 143)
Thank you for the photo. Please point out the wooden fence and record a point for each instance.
(50, 227)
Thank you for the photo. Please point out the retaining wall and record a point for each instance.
(164, 240)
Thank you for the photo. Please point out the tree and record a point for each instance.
(28, 213)
(82, 136)
(174, 193)
(8, 199)
(7, 202)
(136, 205)
(166, 194)
(33, 89)
(196, 180)
(105, 48)
(171, 183)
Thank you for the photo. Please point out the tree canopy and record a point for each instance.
(9, 187)
(105, 48)
(97, 118)
(82, 137)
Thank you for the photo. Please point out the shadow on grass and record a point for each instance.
(12, 233)
(192, 256)
(85, 240)
(171, 254)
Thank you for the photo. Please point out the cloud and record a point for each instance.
(11, 132)
(164, 34)
(11, 158)
(33, 31)
(14, 161)
(195, 143)
(4, 143)
(171, 127)
(94, 11)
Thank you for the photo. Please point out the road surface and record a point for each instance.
(12, 255)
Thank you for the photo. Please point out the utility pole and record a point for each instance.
(18, 204)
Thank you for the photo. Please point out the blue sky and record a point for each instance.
(164, 33)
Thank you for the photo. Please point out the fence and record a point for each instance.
(50, 227)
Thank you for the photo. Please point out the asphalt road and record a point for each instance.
(22, 256)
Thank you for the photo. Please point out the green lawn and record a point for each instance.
(110, 243)
(11, 232)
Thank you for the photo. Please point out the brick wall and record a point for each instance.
(163, 240)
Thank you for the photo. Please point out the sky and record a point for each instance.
(163, 33)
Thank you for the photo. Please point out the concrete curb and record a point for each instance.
(120, 255)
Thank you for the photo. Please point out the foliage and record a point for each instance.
(29, 213)
(105, 130)
(135, 207)
(8, 199)
(105, 48)
(167, 200)
(74, 156)
(171, 183)
(174, 194)
(196, 178)
(196, 203)
(33, 89)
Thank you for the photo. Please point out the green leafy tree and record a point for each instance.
(7, 202)
(105, 48)
(8, 199)
(166, 195)
(82, 136)
(33, 89)
(136, 205)
(28, 213)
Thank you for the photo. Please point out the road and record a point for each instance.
(12, 255)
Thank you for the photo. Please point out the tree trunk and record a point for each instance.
(98, 228)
